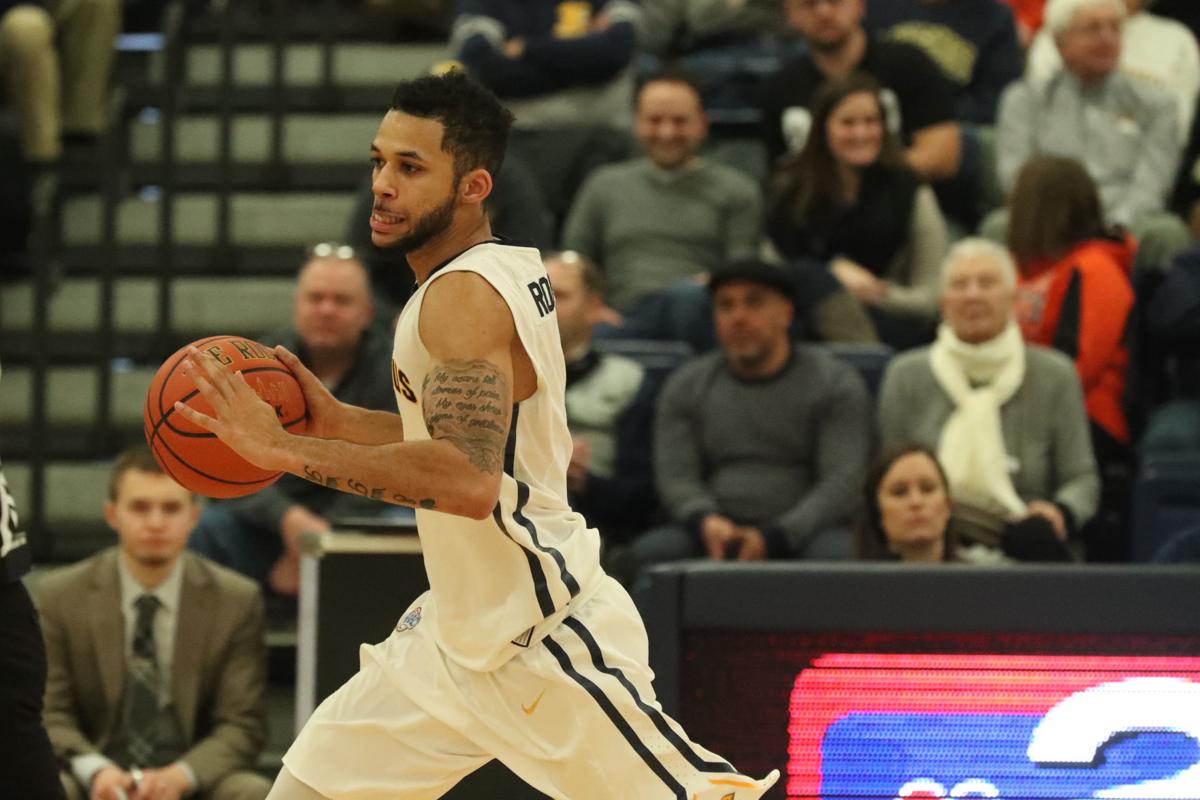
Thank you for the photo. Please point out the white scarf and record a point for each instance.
(971, 448)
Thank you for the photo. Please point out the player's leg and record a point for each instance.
(577, 718)
(368, 740)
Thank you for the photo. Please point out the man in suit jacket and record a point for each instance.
(156, 657)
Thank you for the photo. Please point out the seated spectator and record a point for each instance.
(760, 446)
(669, 215)
(333, 336)
(156, 657)
(56, 60)
(919, 99)
(1153, 48)
(973, 41)
(907, 513)
(1124, 130)
(610, 411)
(849, 201)
(1074, 293)
(1007, 419)
(565, 70)
(29, 69)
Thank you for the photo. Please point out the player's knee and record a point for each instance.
(26, 29)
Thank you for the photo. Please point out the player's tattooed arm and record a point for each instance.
(352, 485)
(467, 403)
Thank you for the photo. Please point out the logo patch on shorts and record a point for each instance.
(409, 621)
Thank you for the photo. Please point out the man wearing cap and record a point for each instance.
(760, 446)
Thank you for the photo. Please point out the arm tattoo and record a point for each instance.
(465, 403)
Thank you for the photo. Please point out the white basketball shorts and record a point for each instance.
(574, 716)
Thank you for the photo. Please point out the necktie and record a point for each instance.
(142, 713)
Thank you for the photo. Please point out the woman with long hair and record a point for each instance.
(906, 500)
(848, 201)
(1075, 294)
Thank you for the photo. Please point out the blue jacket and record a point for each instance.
(561, 51)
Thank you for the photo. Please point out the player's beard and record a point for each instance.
(429, 226)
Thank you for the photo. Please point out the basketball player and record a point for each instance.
(523, 649)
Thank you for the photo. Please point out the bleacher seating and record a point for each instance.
(1166, 500)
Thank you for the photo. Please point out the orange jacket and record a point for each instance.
(1028, 13)
(1079, 304)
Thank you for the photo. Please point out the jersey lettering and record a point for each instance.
(543, 295)
(401, 384)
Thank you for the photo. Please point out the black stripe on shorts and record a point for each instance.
(610, 711)
(656, 716)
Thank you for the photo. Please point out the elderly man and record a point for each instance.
(760, 446)
(1125, 130)
(670, 215)
(335, 337)
(1153, 48)
(1006, 419)
(157, 657)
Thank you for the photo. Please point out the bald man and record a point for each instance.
(334, 333)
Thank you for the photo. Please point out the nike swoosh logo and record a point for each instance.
(532, 707)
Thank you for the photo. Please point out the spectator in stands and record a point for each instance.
(906, 500)
(1123, 129)
(610, 411)
(565, 69)
(29, 69)
(157, 657)
(1074, 292)
(973, 41)
(1153, 48)
(920, 100)
(56, 60)
(759, 447)
(334, 335)
(1007, 419)
(849, 201)
(669, 215)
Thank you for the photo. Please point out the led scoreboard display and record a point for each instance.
(869, 682)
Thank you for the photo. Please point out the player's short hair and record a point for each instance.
(1061, 13)
(593, 278)
(134, 459)
(671, 73)
(475, 124)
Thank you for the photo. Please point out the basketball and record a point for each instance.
(196, 458)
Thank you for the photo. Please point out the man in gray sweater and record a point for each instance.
(760, 447)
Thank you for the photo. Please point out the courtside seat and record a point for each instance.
(869, 359)
(1166, 501)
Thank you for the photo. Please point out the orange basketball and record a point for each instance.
(197, 459)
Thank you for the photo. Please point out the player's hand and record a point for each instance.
(1051, 512)
(243, 420)
(110, 783)
(168, 783)
(751, 544)
(716, 532)
(324, 410)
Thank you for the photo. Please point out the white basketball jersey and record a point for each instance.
(499, 584)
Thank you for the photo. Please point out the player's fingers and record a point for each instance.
(202, 366)
(192, 415)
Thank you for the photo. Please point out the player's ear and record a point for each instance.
(475, 186)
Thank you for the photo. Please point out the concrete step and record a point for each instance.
(200, 306)
(256, 218)
(307, 138)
